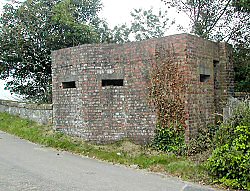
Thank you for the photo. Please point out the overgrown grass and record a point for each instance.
(123, 152)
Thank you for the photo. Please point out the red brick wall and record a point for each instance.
(110, 113)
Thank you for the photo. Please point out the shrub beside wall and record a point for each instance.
(41, 113)
(229, 163)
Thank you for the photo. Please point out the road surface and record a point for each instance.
(25, 166)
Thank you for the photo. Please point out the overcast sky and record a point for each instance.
(118, 12)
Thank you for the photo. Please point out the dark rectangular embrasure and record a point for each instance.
(67, 85)
(204, 77)
(112, 82)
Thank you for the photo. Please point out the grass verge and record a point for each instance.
(123, 152)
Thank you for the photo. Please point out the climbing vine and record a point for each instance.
(166, 93)
(167, 88)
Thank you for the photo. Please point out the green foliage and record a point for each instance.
(241, 114)
(120, 34)
(205, 15)
(202, 141)
(145, 24)
(240, 117)
(169, 139)
(30, 30)
(242, 5)
(214, 19)
(229, 163)
(242, 67)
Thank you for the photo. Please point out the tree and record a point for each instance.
(29, 31)
(242, 5)
(242, 67)
(210, 19)
(145, 24)
(222, 20)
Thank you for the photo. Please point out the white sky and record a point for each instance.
(117, 12)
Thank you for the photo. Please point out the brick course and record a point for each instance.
(109, 113)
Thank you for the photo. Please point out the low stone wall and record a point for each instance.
(41, 113)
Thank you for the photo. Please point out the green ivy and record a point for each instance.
(202, 141)
(230, 163)
(170, 139)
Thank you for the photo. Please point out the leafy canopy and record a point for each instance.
(145, 24)
(29, 31)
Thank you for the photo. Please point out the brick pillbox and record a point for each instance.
(100, 91)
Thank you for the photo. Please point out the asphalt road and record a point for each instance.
(25, 166)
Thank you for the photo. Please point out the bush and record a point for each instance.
(202, 141)
(170, 139)
(241, 114)
(231, 161)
